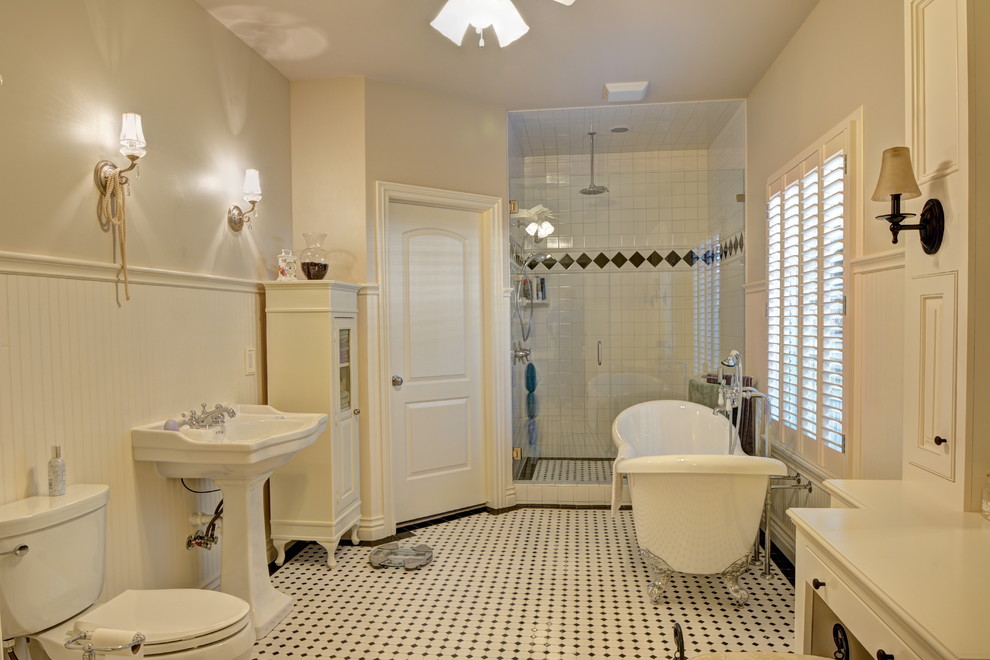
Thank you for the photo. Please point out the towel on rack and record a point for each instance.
(703, 392)
(532, 406)
(744, 419)
(532, 378)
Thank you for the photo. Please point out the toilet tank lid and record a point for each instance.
(36, 513)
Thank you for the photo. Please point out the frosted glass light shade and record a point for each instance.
(540, 229)
(896, 176)
(132, 135)
(252, 186)
(501, 15)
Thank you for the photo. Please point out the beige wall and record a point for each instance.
(79, 367)
(328, 170)
(210, 107)
(848, 53)
(349, 133)
(426, 139)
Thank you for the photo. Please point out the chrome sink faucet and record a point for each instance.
(207, 419)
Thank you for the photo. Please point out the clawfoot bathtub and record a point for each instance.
(696, 507)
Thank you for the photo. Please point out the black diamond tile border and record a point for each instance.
(676, 258)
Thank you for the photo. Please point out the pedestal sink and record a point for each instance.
(239, 459)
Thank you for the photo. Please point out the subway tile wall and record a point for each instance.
(641, 313)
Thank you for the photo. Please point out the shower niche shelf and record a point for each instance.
(535, 303)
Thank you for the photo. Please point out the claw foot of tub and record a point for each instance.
(730, 578)
(661, 573)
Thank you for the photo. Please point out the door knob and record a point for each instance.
(396, 381)
(940, 440)
(817, 584)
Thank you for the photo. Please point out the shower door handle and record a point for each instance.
(599, 353)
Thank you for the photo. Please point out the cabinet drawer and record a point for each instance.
(861, 621)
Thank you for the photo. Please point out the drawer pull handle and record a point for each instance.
(939, 440)
(883, 655)
(817, 584)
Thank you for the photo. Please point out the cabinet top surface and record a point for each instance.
(311, 284)
(920, 557)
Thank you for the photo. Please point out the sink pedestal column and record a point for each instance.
(243, 555)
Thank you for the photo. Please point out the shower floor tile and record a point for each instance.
(530, 583)
(571, 470)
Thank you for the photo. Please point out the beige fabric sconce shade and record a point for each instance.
(896, 176)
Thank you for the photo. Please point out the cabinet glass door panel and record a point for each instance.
(344, 368)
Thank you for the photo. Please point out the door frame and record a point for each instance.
(496, 386)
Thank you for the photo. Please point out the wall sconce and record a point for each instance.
(897, 181)
(113, 186)
(237, 218)
(132, 145)
(535, 222)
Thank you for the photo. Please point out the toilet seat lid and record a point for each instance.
(166, 615)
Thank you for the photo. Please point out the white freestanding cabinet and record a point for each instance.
(312, 367)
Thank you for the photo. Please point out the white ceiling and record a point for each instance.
(689, 50)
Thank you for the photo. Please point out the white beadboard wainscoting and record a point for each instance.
(876, 336)
(79, 367)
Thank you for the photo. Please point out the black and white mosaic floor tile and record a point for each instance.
(530, 583)
(571, 470)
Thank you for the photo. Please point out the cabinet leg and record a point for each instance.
(355, 539)
(330, 547)
(279, 546)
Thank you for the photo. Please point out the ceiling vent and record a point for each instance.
(625, 92)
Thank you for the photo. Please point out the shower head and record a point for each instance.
(592, 189)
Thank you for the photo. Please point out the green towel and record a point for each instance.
(704, 393)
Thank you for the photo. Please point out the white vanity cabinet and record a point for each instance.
(904, 573)
(312, 367)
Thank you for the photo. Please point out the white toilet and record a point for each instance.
(47, 591)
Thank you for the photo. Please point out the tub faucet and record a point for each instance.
(207, 419)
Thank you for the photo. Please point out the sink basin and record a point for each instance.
(257, 440)
(239, 458)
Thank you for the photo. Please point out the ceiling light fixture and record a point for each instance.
(500, 15)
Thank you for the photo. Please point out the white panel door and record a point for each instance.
(434, 298)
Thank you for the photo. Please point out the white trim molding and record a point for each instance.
(874, 263)
(33, 265)
(495, 341)
(375, 491)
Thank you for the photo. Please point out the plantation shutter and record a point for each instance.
(806, 216)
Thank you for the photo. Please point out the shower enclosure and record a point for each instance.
(639, 287)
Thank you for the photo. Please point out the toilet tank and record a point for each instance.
(61, 574)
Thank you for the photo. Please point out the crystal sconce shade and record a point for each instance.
(132, 136)
(132, 145)
(897, 182)
(236, 217)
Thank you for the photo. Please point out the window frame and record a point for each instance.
(810, 449)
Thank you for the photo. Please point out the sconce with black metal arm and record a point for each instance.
(897, 182)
